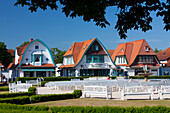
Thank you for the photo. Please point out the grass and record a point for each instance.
(104, 102)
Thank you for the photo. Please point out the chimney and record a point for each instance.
(31, 40)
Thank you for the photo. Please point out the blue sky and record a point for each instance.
(17, 24)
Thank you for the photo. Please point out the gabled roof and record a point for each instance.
(77, 50)
(110, 51)
(131, 50)
(164, 55)
(22, 50)
(11, 51)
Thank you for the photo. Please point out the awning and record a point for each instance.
(38, 70)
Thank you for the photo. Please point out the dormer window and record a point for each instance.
(146, 48)
(95, 47)
(37, 58)
(36, 46)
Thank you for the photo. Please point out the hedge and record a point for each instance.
(32, 90)
(21, 111)
(53, 97)
(150, 77)
(23, 107)
(4, 88)
(23, 79)
(9, 95)
(16, 100)
(107, 109)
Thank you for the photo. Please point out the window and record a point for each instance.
(89, 59)
(36, 46)
(47, 59)
(37, 58)
(85, 46)
(122, 49)
(146, 48)
(95, 59)
(123, 60)
(70, 48)
(95, 47)
(26, 59)
(69, 60)
(101, 59)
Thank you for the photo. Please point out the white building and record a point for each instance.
(32, 60)
(88, 58)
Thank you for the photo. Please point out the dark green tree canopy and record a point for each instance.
(132, 14)
(157, 51)
(57, 55)
(5, 57)
(24, 43)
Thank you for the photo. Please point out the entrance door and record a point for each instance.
(31, 73)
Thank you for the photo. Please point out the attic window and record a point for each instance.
(95, 47)
(36, 46)
(164, 53)
(85, 46)
(146, 48)
(70, 48)
(122, 49)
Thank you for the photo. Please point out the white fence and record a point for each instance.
(21, 87)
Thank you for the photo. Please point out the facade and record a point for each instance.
(164, 58)
(131, 57)
(32, 60)
(88, 58)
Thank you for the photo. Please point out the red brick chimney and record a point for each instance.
(31, 40)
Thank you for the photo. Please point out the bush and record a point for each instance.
(53, 97)
(77, 93)
(4, 88)
(107, 109)
(16, 100)
(43, 83)
(21, 111)
(9, 95)
(23, 107)
(32, 90)
(150, 77)
(50, 97)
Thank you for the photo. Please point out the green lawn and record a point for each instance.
(104, 102)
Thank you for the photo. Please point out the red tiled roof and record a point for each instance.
(164, 55)
(10, 65)
(131, 50)
(110, 51)
(66, 66)
(43, 65)
(77, 49)
(20, 50)
(11, 51)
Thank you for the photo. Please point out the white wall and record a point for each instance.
(131, 72)
(42, 48)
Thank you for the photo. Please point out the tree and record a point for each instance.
(57, 55)
(24, 43)
(5, 57)
(157, 51)
(131, 14)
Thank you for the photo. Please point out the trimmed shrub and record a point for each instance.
(107, 109)
(50, 97)
(53, 97)
(77, 93)
(9, 95)
(4, 88)
(23, 107)
(16, 100)
(43, 83)
(21, 111)
(32, 90)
